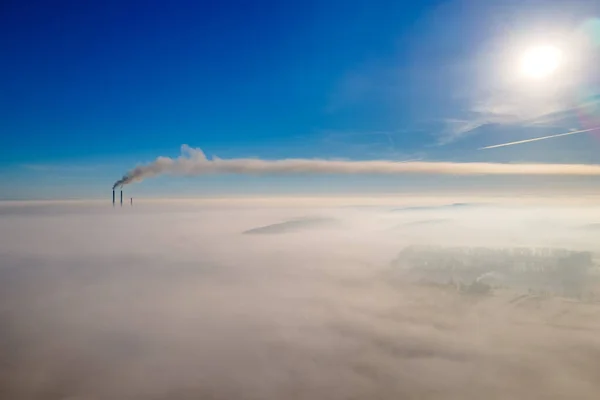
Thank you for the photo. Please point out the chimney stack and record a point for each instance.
(113, 197)
(121, 198)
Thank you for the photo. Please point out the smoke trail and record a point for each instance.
(539, 138)
(194, 162)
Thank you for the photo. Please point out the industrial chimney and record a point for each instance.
(121, 198)
(113, 197)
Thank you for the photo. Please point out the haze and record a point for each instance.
(286, 298)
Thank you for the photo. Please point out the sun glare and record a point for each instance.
(540, 62)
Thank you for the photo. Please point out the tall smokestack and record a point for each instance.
(121, 198)
(113, 197)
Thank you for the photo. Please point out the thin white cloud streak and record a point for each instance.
(539, 138)
(458, 128)
(194, 162)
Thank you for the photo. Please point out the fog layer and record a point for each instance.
(174, 301)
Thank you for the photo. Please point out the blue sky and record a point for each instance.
(90, 89)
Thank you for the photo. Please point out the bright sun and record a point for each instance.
(540, 62)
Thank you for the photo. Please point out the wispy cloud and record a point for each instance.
(539, 138)
(458, 128)
(513, 112)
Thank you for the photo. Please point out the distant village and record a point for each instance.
(480, 269)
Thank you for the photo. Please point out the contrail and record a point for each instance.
(194, 162)
(539, 138)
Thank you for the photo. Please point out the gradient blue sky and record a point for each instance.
(88, 89)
